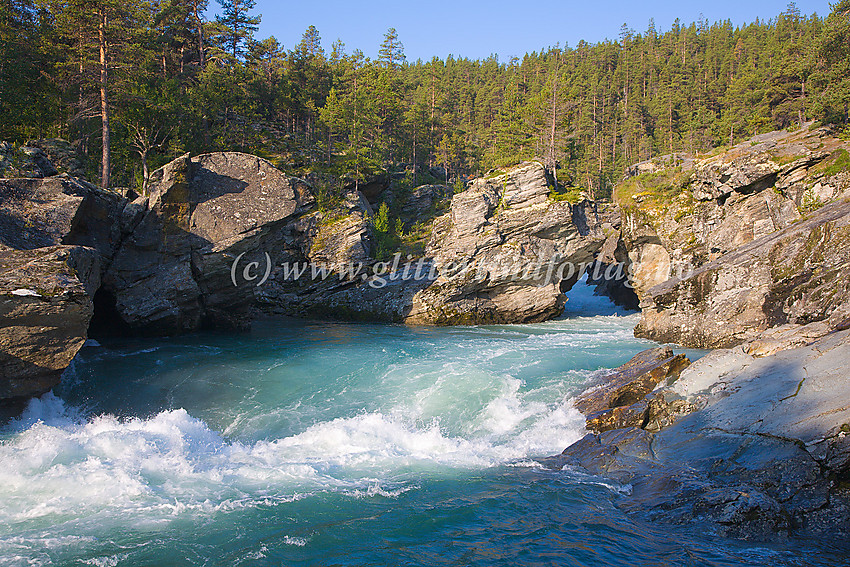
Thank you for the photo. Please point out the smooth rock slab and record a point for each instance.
(762, 460)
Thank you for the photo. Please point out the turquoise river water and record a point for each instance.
(308, 443)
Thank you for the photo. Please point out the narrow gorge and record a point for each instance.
(744, 251)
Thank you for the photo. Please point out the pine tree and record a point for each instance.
(103, 32)
(832, 74)
(239, 26)
(391, 54)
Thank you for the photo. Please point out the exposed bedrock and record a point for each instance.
(746, 251)
(797, 275)
(757, 446)
(745, 241)
(172, 272)
(622, 399)
(45, 310)
(518, 251)
(56, 236)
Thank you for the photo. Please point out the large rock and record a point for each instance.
(764, 457)
(40, 158)
(690, 236)
(420, 204)
(505, 252)
(341, 235)
(47, 286)
(35, 213)
(174, 271)
(619, 400)
(45, 310)
(334, 274)
(24, 161)
(797, 275)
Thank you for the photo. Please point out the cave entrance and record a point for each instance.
(106, 322)
(603, 289)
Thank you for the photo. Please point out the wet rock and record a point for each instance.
(610, 274)
(630, 383)
(761, 458)
(621, 417)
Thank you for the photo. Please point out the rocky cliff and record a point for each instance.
(725, 247)
(745, 251)
(504, 252)
(172, 272)
(507, 251)
(56, 237)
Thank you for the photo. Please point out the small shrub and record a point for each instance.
(840, 161)
(571, 195)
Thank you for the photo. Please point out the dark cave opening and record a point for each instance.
(106, 322)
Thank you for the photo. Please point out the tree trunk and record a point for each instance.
(414, 153)
(145, 173)
(202, 60)
(104, 101)
(202, 57)
(670, 119)
(356, 141)
(431, 134)
(551, 149)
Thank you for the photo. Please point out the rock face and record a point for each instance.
(341, 235)
(744, 251)
(732, 246)
(609, 274)
(620, 399)
(502, 254)
(797, 275)
(59, 210)
(419, 203)
(25, 161)
(173, 270)
(506, 252)
(768, 454)
(45, 310)
(56, 236)
(39, 159)
(333, 273)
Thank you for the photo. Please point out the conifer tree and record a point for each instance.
(832, 75)
(391, 54)
(239, 26)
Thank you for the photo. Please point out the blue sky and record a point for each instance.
(478, 29)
